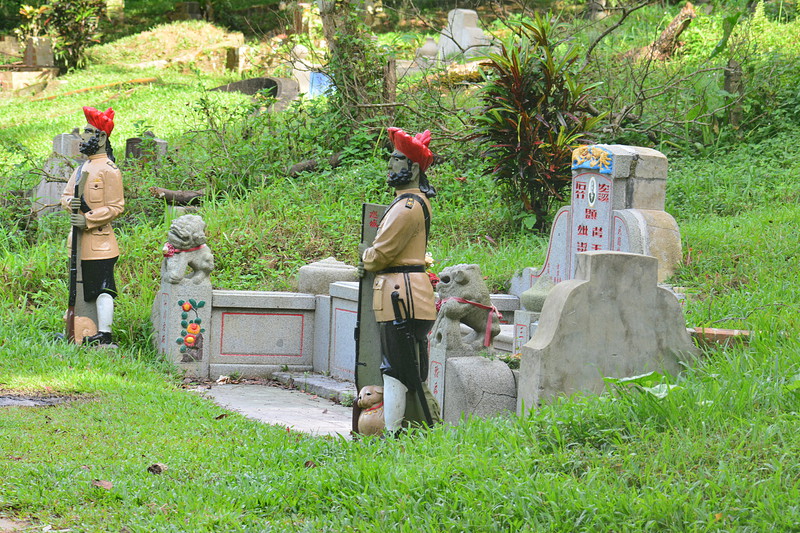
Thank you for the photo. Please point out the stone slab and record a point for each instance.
(316, 278)
(344, 315)
(264, 300)
(314, 383)
(269, 336)
(252, 370)
(291, 409)
(504, 342)
(15, 80)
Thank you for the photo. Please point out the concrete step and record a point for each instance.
(343, 392)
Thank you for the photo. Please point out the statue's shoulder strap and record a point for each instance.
(425, 211)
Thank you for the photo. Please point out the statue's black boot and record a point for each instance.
(100, 338)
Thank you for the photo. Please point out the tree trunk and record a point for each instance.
(663, 47)
(734, 85)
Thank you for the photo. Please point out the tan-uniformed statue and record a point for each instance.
(403, 298)
(98, 202)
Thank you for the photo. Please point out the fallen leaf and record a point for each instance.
(86, 467)
(157, 468)
(101, 484)
(324, 411)
(310, 464)
(220, 417)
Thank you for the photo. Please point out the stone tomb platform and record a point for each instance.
(611, 320)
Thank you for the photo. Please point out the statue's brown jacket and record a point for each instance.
(401, 241)
(102, 191)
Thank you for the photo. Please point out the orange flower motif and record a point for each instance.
(186, 306)
(189, 340)
(193, 328)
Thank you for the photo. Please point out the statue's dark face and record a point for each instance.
(403, 173)
(92, 139)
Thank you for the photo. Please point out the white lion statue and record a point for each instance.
(186, 247)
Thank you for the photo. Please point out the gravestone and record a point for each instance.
(115, 10)
(186, 11)
(368, 357)
(611, 320)
(147, 148)
(462, 36)
(617, 203)
(10, 46)
(237, 58)
(39, 52)
(63, 160)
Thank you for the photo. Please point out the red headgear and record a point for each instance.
(102, 120)
(415, 148)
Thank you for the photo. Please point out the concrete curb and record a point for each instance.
(343, 392)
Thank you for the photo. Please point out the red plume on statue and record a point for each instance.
(102, 120)
(415, 148)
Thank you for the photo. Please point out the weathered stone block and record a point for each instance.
(316, 278)
(611, 320)
(478, 386)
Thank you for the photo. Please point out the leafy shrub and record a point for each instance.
(74, 25)
(534, 114)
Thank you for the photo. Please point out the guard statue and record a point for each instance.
(403, 299)
(94, 197)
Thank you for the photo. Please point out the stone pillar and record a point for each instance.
(181, 313)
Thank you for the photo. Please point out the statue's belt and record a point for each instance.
(403, 269)
(487, 339)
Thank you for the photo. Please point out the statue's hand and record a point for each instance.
(78, 220)
(75, 203)
(361, 270)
